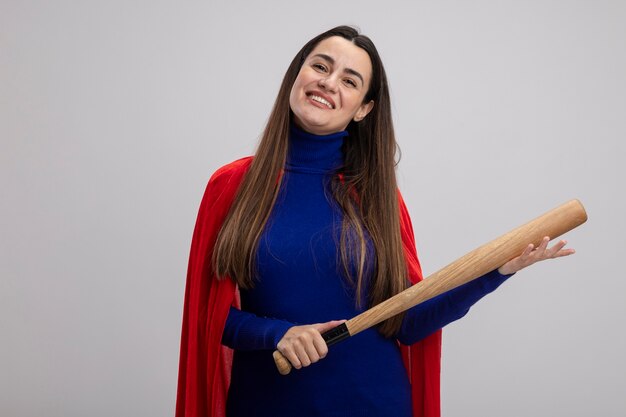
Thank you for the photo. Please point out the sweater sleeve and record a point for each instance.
(246, 331)
(430, 316)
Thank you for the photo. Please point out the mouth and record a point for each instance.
(319, 98)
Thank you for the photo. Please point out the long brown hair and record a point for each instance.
(366, 190)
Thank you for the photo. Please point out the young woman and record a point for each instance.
(309, 232)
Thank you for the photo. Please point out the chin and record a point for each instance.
(308, 123)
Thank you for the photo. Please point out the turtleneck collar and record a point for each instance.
(314, 153)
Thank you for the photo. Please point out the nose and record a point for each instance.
(328, 83)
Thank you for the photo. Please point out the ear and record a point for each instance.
(363, 110)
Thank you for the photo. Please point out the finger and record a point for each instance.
(291, 356)
(311, 350)
(539, 252)
(524, 256)
(323, 327)
(564, 252)
(542, 246)
(320, 346)
(551, 252)
(302, 355)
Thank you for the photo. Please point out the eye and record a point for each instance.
(319, 67)
(350, 82)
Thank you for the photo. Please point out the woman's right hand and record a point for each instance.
(304, 345)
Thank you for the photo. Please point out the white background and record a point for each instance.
(114, 114)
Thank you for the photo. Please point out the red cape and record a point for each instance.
(204, 370)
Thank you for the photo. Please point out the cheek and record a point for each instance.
(293, 95)
(296, 91)
(354, 102)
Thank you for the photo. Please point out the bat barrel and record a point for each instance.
(476, 263)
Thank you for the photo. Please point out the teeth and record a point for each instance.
(321, 100)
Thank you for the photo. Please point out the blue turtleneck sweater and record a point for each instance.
(300, 282)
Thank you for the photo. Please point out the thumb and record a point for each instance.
(322, 327)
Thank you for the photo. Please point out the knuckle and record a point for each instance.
(295, 360)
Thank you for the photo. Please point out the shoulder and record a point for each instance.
(229, 176)
(231, 170)
(225, 181)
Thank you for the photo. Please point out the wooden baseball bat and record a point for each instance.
(475, 264)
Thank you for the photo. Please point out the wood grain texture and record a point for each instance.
(282, 363)
(476, 263)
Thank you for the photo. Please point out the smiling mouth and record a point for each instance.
(320, 100)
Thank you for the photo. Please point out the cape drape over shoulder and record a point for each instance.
(205, 364)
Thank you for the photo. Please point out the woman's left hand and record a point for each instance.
(532, 255)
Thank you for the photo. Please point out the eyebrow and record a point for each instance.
(348, 70)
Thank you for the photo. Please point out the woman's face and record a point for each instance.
(331, 86)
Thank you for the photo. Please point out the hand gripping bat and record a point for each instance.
(476, 263)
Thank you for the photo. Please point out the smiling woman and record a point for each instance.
(311, 231)
(329, 92)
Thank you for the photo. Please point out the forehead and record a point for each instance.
(345, 54)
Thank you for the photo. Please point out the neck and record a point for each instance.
(321, 153)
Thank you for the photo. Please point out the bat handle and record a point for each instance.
(282, 363)
(332, 336)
